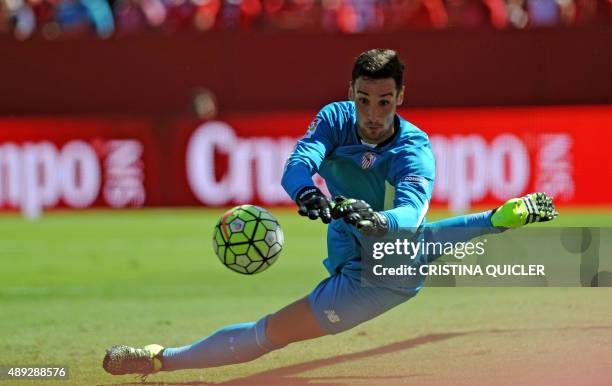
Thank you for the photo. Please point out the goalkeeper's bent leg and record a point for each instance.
(232, 344)
(459, 229)
(246, 341)
(533, 207)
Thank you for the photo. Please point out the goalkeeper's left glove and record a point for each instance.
(516, 212)
(359, 214)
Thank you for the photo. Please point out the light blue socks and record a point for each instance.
(232, 344)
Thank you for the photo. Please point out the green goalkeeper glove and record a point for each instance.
(359, 214)
(516, 212)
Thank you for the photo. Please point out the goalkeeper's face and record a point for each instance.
(376, 101)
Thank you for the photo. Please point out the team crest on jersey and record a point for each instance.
(368, 160)
(312, 127)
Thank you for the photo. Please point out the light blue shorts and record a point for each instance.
(341, 302)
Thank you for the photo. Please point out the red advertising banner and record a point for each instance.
(488, 155)
(77, 163)
(483, 156)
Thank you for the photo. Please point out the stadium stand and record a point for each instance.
(68, 18)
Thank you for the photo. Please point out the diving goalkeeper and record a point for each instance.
(385, 166)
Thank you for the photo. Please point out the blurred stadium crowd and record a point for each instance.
(54, 18)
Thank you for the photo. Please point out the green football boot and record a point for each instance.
(120, 360)
(516, 212)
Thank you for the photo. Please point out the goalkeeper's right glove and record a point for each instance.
(359, 214)
(313, 203)
(516, 212)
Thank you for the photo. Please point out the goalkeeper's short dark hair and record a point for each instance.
(379, 63)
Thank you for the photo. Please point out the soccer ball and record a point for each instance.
(248, 239)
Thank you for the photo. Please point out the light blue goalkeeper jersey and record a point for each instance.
(395, 177)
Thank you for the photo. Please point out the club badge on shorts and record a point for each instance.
(368, 160)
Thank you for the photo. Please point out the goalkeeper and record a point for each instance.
(367, 152)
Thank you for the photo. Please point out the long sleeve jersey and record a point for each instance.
(395, 177)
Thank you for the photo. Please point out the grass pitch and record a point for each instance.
(74, 283)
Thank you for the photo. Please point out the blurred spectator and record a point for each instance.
(543, 13)
(498, 13)
(179, 15)
(567, 9)
(477, 13)
(136, 15)
(205, 104)
(80, 16)
(131, 18)
(17, 17)
(206, 14)
(44, 11)
(467, 13)
(53, 18)
(517, 14)
(300, 14)
(400, 14)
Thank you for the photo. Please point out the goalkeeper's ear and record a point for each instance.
(351, 93)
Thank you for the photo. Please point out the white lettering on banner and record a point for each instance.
(124, 174)
(441, 147)
(80, 174)
(555, 171)
(241, 168)
(267, 154)
(10, 159)
(269, 169)
(470, 160)
(37, 175)
(201, 162)
(514, 182)
(467, 169)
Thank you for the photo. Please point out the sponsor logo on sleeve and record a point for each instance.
(312, 127)
(416, 179)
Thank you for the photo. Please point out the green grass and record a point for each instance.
(74, 283)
